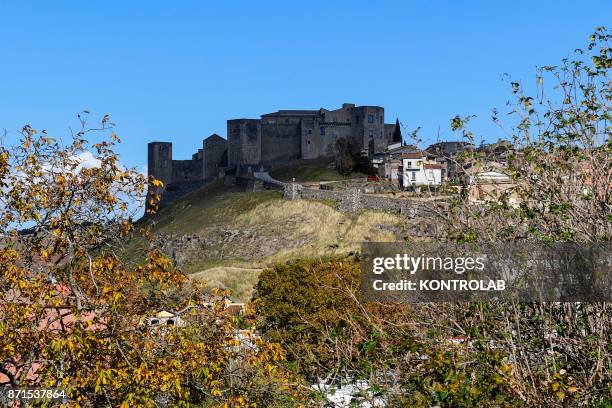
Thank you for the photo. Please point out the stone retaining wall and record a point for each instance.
(354, 200)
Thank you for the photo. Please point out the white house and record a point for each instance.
(417, 171)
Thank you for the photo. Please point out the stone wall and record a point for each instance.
(243, 142)
(175, 191)
(354, 200)
(160, 162)
(186, 170)
(389, 130)
(215, 148)
(310, 138)
(315, 194)
(369, 128)
(280, 141)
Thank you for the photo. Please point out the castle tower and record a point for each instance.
(160, 162)
(369, 123)
(243, 142)
(215, 149)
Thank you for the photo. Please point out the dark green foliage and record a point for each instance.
(397, 133)
(362, 164)
(311, 308)
(349, 159)
(344, 151)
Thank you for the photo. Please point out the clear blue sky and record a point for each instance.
(177, 71)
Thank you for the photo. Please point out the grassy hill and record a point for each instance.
(239, 233)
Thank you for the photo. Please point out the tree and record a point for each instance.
(343, 155)
(560, 165)
(331, 335)
(74, 313)
(397, 133)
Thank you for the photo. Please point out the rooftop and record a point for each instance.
(296, 112)
(413, 155)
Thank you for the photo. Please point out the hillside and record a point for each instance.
(226, 236)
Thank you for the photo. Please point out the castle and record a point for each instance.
(275, 138)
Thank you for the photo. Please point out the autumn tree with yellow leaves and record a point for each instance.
(74, 314)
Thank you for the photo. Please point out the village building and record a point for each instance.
(489, 182)
(165, 318)
(390, 162)
(446, 153)
(417, 170)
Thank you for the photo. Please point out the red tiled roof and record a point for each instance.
(433, 166)
(413, 155)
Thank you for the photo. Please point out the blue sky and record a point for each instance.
(177, 71)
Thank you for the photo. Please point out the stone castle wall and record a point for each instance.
(275, 139)
(243, 142)
(280, 141)
(214, 152)
(186, 170)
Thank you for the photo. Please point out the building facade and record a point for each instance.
(288, 135)
(418, 171)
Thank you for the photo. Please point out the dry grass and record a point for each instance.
(293, 229)
(240, 281)
(371, 226)
(327, 230)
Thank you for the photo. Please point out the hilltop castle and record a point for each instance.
(273, 139)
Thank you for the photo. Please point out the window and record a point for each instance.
(370, 118)
(431, 176)
(310, 131)
(322, 131)
(381, 120)
(381, 134)
(370, 135)
(419, 162)
(413, 176)
(309, 142)
(408, 164)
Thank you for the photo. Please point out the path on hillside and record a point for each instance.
(266, 177)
